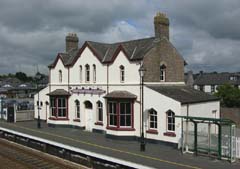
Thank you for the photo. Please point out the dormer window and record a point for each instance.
(87, 73)
(94, 73)
(122, 74)
(60, 76)
(163, 73)
(80, 74)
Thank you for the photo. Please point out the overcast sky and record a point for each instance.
(32, 32)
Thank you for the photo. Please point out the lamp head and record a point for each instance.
(142, 71)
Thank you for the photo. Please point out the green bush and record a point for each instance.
(229, 95)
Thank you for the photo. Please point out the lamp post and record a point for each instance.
(142, 71)
(38, 105)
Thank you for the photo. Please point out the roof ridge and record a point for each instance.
(116, 43)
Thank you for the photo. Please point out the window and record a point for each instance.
(52, 107)
(122, 74)
(153, 119)
(120, 115)
(87, 73)
(201, 88)
(60, 76)
(125, 115)
(94, 73)
(170, 121)
(99, 111)
(80, 74)
(112, 109)
(77, 109)
(58, 107)
(162, 73)
(212, 88)
(61, 107)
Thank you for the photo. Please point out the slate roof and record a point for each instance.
(120, 94)
(59, 92)
(217, 79)
(134, 49)
(183, 94)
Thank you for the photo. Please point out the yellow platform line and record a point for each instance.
(108, 148)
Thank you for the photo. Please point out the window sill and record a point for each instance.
(169, 134)
(152, 131)
(76, 120)
(120, 129)
(58, 119)
(99, 123)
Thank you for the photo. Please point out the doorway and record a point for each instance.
(88, 110)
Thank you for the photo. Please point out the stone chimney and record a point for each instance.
(71, 41)
(161, 25)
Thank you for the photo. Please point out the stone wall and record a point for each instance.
(163, 53)
(232, 114)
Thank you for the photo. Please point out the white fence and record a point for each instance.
(237, 147)
(24, 115)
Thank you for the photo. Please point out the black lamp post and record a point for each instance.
(38, 105)
(142, 71)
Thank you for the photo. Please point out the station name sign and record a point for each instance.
(91, 91)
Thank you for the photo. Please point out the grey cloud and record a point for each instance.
(32, 32)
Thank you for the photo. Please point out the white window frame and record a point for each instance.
(122, 73)
(80, 73)
(94, 73)
(87, 73)
(99, 110)
(60, 76)
(153, 113)
(172, 123)
(77, 109)
(162, 73)
(212, 88)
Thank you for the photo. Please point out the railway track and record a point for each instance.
(28, 158)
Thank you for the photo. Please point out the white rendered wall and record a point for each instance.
(87, 57)
(162, 104)
(206, 109)
(131, 70)
(54, 74)
(44, 109)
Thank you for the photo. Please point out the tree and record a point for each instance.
(230, 96)
(21, 76)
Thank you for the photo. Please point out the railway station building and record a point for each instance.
(97, 88)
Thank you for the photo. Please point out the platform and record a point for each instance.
(155, 156)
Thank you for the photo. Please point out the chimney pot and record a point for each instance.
(161, 25)
(71, 41)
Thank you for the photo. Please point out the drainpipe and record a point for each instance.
(107, 78)
(186, 142)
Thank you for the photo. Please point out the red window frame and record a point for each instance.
(56, 117)
(118, 127)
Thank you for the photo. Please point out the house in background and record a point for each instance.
(96, 88)
(208, 82)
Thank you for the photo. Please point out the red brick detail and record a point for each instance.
(99, 123)
(169, 134)
(58, 119)
(120, 129)
(151, 131)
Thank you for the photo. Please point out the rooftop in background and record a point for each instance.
(215, 78)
